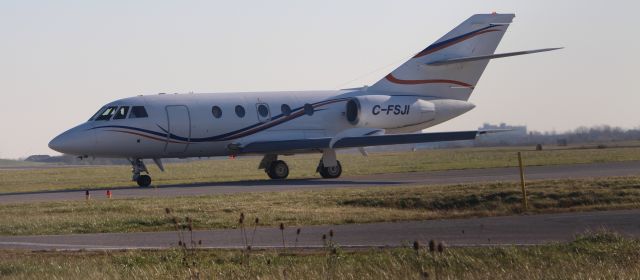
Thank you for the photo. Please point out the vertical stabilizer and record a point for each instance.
(477, 36)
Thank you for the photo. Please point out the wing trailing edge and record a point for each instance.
(355, 142)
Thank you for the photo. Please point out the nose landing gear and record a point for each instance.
(144, 181)
(139, 167)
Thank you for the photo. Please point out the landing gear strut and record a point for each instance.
(276, 169)
(138, 167)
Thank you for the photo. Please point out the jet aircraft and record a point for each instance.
(430, 88)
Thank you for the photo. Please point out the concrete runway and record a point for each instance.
(517, 230)
(628, 168)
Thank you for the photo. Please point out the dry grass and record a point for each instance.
(599, 256)
(303, 166)
(336, 206)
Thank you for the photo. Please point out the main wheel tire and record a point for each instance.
(331, 172)
(278, 170)
(144, 181)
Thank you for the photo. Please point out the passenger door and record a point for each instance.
(179, 127)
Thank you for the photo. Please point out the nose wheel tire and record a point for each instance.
(330, 172)
(144, 181)
(278, 170)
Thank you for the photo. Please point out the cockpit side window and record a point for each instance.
(106, 114)
(138, 112)
(121, 113)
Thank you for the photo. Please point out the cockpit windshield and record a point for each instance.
(106, 113)
(121, 113)
(118, 113)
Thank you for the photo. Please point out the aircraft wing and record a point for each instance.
(354, 142)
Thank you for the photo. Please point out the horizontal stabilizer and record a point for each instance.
(284, 146)
(485, 57)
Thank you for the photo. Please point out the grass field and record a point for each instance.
(303, 166)
(592, 256)
(335, 206)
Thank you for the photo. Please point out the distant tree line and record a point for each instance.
(582, 135)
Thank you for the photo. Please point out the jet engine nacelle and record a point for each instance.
(388, 112)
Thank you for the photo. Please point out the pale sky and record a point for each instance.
(61, 60)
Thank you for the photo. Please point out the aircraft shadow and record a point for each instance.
(244, 183)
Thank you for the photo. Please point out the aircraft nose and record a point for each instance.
(59, 143)
(74, 141)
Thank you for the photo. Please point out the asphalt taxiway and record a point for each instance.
(506, 230)
(575, 171)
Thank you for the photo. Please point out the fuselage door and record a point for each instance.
(179, 127)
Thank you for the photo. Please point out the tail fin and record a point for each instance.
(477, 36)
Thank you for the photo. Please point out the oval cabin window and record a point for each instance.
(240, 111)
(286, 110)
(263, 110)
(216, 112)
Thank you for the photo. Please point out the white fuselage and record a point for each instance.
(183, 125)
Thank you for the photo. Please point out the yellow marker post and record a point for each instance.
(522, 184)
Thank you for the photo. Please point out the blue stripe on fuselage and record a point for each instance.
(274, 121)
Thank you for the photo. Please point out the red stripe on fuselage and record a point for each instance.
(395, 80)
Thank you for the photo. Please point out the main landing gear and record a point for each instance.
(329, 172)
(143, 180)
(276, 169)
(328, 167)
